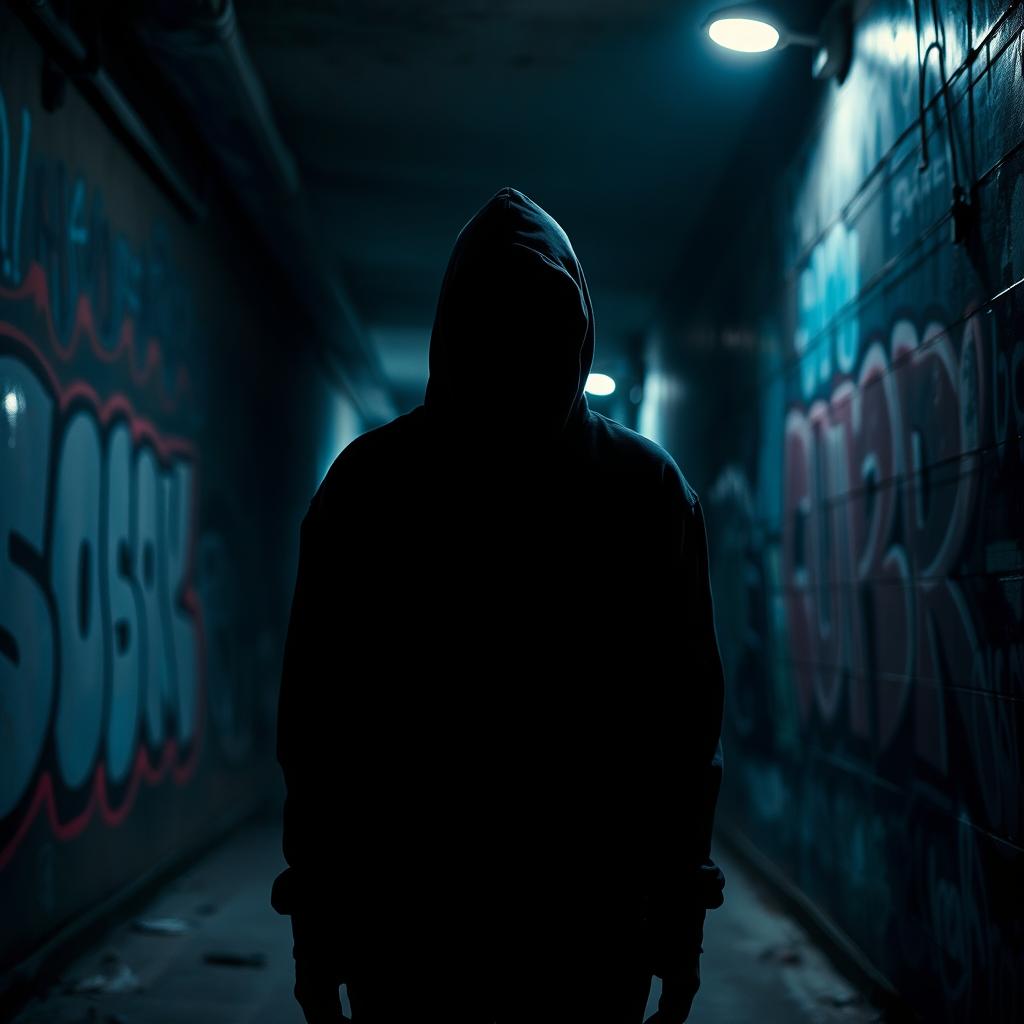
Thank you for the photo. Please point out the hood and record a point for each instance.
(513, 336)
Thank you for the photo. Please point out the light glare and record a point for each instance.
(744, 34)
(11, 403)
(600, 384)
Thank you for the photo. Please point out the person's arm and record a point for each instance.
(690, 883)
(708, 697)
(308, 889)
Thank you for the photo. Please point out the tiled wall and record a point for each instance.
(856, 434)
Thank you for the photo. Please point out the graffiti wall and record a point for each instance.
(155, 409)
(867, 517)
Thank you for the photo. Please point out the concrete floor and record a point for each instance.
(758, 965)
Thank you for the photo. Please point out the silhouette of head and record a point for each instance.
(513, 336)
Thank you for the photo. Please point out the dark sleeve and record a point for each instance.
(709, 698)
(687, 880)
(309, 888)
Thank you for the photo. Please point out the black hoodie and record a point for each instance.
(502, 692)
(513, 337)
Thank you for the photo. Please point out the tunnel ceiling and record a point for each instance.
(406, 116)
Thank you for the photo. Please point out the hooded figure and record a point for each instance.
(502, 692)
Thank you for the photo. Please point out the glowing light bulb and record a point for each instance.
(747, 35)
(599, 384)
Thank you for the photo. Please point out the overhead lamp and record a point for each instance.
(749, 28)
(599, 384)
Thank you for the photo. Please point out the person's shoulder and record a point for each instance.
(632, 447)
(376, 443)
(367, 455)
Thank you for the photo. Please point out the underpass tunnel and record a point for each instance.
(224, 228)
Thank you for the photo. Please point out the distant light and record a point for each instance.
(747, 35)
(11, 403)
(599, 384)
(820, 62)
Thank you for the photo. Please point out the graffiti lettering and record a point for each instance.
(880, 482)
(52, 220)
(828, 333)
(123, 635)
(100, 633)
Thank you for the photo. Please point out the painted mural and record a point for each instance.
(140, 629)
(868, 542)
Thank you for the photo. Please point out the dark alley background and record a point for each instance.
(223, 228)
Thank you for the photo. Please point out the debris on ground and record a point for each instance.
(841, 999)
(790, 956)
(228, 958)
(116, 978)
(161, 925)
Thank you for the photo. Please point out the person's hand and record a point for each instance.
(317, 992)
(675, 938)
(677, 993)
